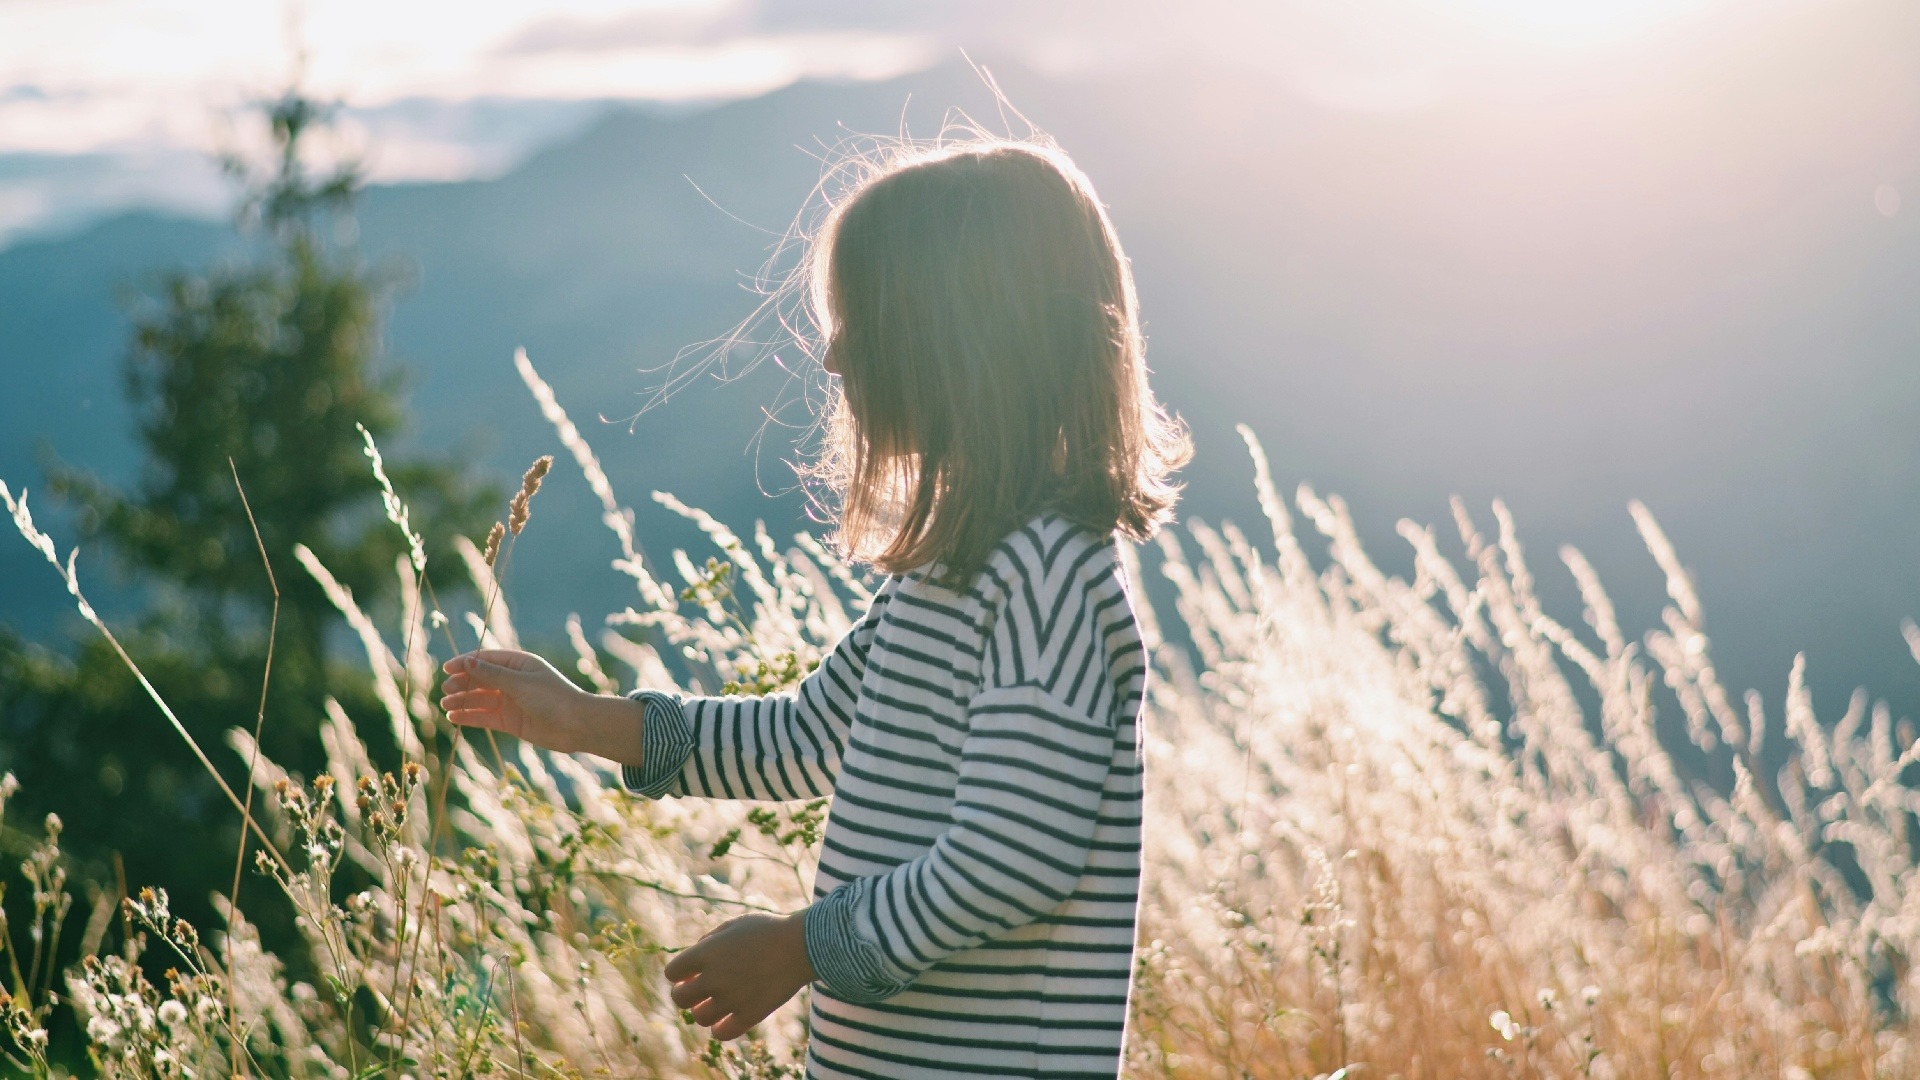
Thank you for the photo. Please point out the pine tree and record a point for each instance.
(261, 369)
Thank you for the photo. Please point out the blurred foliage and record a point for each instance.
(260, 368)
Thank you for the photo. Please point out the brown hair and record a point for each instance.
(977, 306)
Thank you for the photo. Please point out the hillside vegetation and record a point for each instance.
(1400, 828)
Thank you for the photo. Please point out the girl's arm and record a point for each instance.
(776, 746)
(1034, 765)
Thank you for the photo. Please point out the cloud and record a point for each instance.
(452, 88)
(679, 24)
(118, 96)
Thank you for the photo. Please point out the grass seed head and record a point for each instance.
(494, 536)
(518, 511)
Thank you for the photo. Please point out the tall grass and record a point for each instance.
(1398, 828)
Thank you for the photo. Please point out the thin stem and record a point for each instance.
(513, 999)
(438, 815)
(259, 726)
(486, 623)
(265, 842)
(665, 891)
(479, 1026)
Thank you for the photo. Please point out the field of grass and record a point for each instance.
(1420, 829)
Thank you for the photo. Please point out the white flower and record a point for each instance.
(173, 1013)
(102, 1030)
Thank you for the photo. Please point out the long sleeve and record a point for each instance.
(1035, 757)
(776, 746)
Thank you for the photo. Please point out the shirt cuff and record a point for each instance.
(852, 968)
(666, 742)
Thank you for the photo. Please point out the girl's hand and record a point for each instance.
(521, 694)
(745, 968)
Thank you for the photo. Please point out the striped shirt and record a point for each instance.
(974, 909)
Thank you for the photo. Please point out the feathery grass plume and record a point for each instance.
(587, 660)
(520, 509)
(493, 625)
(618, 519)
(388, 671)
(494, 536)
(396, 510)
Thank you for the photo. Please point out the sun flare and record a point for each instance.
(1567, 23)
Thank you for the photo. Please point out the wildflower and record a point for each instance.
(1504, 1024)
(517, 511)
(173, 1014)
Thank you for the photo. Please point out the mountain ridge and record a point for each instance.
(1470, 305)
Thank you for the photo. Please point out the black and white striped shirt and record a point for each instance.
(974, 910)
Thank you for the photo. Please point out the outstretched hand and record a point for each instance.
(522, 695)
(741, 971)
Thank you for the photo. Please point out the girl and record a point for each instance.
(991, 433)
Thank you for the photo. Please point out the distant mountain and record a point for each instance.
(1565, 307)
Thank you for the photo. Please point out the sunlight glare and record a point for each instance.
(1566, 23)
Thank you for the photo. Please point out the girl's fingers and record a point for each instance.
(735, 1026)
(491, 719)
(512, 659)
(465, 662)
(687, 963)
(484, 674)
(708, 1012)
(689, 993)
(471, 699)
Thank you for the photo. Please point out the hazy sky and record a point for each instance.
(112, 103)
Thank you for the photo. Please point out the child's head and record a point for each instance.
(977, 307)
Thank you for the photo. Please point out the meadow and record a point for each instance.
(1398, 828)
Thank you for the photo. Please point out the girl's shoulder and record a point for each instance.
(1046, 555)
